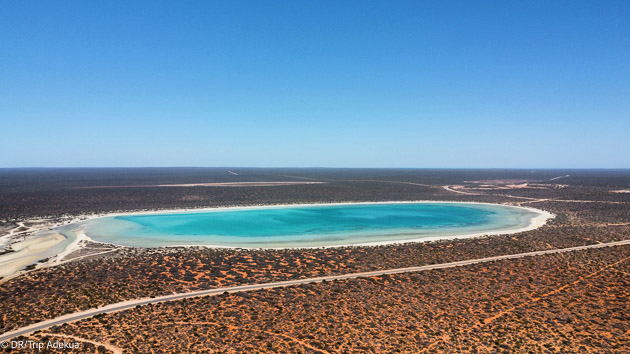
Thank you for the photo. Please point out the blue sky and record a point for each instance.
(527, 84)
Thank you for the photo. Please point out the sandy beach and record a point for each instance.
(27, 252)
(539, 220)
(32, 248)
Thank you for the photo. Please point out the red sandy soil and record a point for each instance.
(576, 301)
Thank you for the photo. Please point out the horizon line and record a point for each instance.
(317, 167)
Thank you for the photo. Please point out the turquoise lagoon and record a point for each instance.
(309, 225)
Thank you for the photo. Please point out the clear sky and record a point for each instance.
(531, 84)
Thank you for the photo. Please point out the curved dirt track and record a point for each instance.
(73, 317)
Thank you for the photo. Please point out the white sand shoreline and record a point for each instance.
(539, 220)
(29, 251)
(535, 222)
(278, 206)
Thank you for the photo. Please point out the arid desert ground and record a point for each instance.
(576, 301)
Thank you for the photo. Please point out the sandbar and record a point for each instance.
(29, 251)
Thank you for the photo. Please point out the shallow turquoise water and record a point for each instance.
(307, 226)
